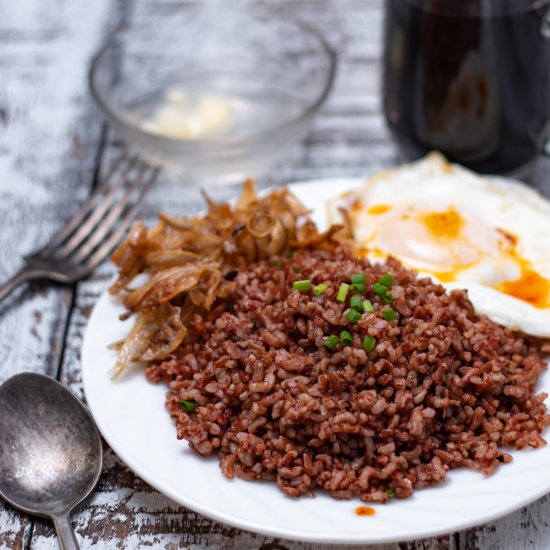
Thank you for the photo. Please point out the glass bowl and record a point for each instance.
(244, 87)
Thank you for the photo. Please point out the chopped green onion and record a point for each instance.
(369, 343)
(367, 306)
(386, 280)
(290, 253)
(356, 302)
(390, 493)
(342, 292)
(277, 263)
(387, 298)
(302, 286)
(379, 289)
(358, 278)
(319, 290)
(294, 268)
(230, 306)
(331, 342)
(357, 287)
(389, 314)
(345, 338)
(188, 406)
(353, 316)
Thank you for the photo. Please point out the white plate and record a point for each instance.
(131, 416)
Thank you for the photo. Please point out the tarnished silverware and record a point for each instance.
(50, 450)
(87, 239)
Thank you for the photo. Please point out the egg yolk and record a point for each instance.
(531, 287)
(378, 209)
(426, 238)
(447, 224)
(454, 244)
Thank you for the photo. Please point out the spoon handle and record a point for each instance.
(65, 532)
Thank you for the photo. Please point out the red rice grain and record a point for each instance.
(442, 389)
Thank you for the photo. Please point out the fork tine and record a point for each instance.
(86, 208)
(98, 212)
(106, 247)
(98, 232)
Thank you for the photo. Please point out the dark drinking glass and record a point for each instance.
(470, 78)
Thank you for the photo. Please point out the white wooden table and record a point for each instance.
(52, 143)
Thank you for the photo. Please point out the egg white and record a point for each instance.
(476, 260)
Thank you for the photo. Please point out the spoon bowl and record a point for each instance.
(50, 450)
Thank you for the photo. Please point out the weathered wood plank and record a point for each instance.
(48, 143)
(348, 138)
(526, 528)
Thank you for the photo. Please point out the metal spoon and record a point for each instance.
(50, 450)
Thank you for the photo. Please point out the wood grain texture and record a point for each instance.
(49, 136)
(49, 143)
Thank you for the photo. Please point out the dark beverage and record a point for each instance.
(470, 78)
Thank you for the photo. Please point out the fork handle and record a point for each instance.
(20, 277)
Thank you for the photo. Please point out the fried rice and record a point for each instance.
(254, 382)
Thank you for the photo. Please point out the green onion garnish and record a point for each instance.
(230, 306)
(356, 302)
(294, 268)
(369, 343)
(346, 338)
(386, 280)
(389, 314)
(331, 342)
(290, 253)
(367, 306)
(358, 278)
(387, 298)
(188, 406)
(379, 289)
(353, 316)
(390, 492)
(302, 286)
(357, 287)
(342, 292)
(277, 263)
(319, 290)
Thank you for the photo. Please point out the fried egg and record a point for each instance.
(490, 236)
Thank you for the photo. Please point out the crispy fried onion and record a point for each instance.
(154, 336)
(190, 263)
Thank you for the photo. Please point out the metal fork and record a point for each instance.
(87, 239)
